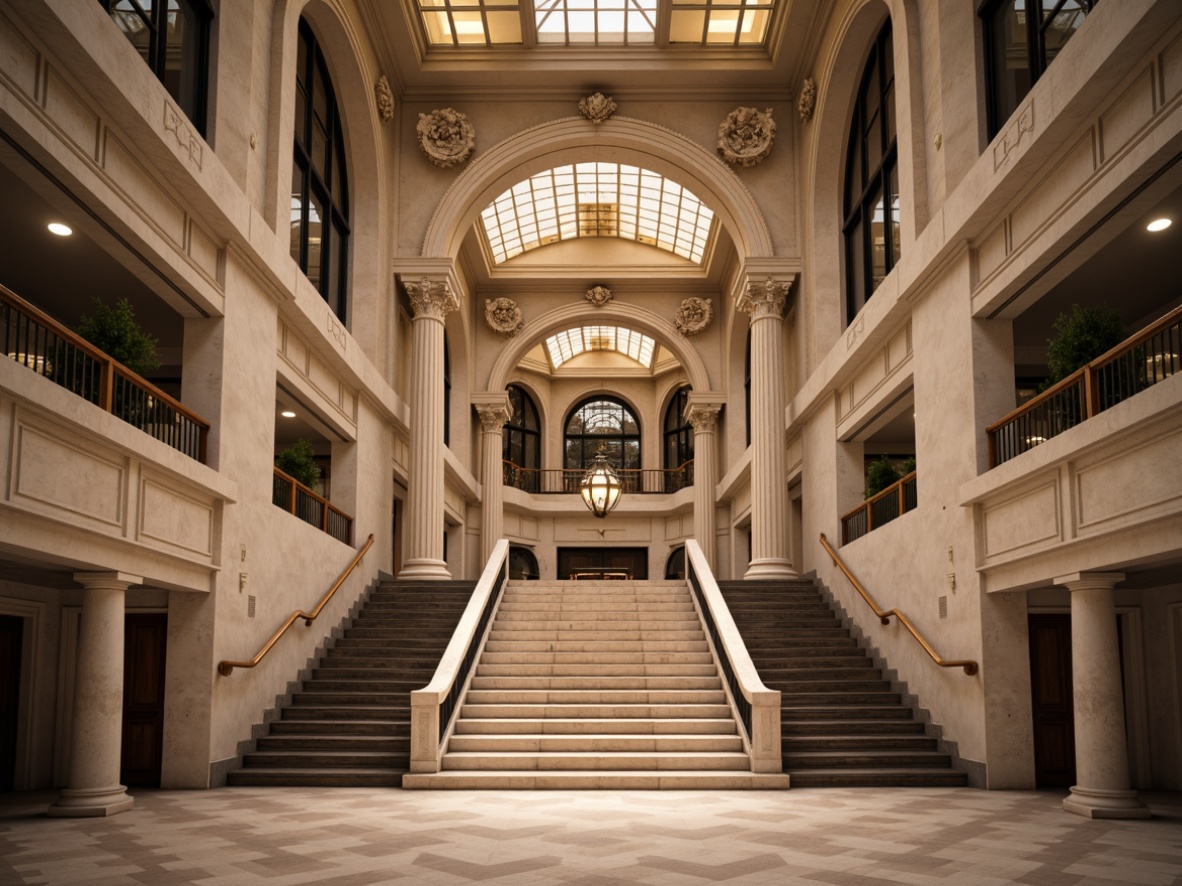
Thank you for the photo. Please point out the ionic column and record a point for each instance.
(494, 411)
(764, 302)
(704, 418)
(1101, 750)
(97, 740)
(432, 301)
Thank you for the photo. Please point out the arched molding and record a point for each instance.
(909, 123)
(568, 316)
(574, 140)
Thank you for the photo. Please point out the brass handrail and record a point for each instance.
(225, 668)
(970, 666)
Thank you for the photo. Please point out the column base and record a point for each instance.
(770, 568)
(91, 802)
(1101, 803)
(435, 570)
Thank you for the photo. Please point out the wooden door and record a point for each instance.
(144, 651)
(633, 561)
(11, 631)
(1051, 698)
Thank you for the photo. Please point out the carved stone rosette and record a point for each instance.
(598, 296)
(764, 298)
(807, 103)
(502, 315)
(597, 107)
(446, 137)
(431, 298)
(694, 315)
(385, 99)
(745, 136)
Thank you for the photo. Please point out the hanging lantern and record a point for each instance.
(600, 488)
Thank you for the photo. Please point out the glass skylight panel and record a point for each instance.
(571, 342)
(597, 200)
(596, 22)
(471, 22)
(720, 22)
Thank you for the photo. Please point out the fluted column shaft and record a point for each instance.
(704, 418)
(493, 416)
(1102, 788)
(97, 740)
(764, 302)
(432, 301)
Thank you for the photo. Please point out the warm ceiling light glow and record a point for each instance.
(1158, 224)
(60, 229)
(287, 413)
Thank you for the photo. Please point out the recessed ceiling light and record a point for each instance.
(1158, 224)
(60, 229)
(287, 413)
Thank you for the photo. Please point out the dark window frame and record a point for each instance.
(523, 432)
(446, 391)
(678, 437)
(747, 384)
(589, 443)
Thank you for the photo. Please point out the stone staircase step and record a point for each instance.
(878, 758)
(533, 780)
(594, 743)
(546, 669)
(336, 743)
(794, 744)
(593, 726)
(884, 777)
(595, 711)
(595, 760)
(624, 681)
(600, 696)
(322, 778)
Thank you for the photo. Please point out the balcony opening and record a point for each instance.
(889, 475)
(303, 475)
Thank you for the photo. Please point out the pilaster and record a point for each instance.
(494, 411)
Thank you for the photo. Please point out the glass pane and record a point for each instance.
(1061, 26)
(438, 28)
(878, 266)
(1011, 64)
(315, 235)
(301, 114)
(686, 26)
(754, 28)
(873, 146)
(724, 24)
(337, 187)
(896, 228)
(319, 95)
(332, 288)
(319, 147)
(889, 118)
(297, 210)
(504, 27)
(135, 25)
(469, 27)
(855, 246)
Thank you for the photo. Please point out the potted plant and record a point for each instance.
(114, 331)
(299, 461)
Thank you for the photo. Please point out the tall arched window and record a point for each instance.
(747, 384)
(446, 392)
(679, 440)
(319, 183)
(871, 210)
(602, 423)
(522, 440)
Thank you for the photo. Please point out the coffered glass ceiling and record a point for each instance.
(597, 200)
(475, 23)
(572, 342)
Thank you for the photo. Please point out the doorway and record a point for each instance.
(144, 649)
(12, 629)
(1051, 699)
(599, 562)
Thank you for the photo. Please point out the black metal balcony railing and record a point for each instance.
(898, 498)
(1138, 363)
(40, 343)
(556, 481)
(294, 497)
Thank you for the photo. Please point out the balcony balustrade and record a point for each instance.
(557, 481)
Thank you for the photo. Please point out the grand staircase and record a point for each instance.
(841, 723)
(596, 685)
(349, 725)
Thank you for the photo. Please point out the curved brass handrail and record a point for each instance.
(970, 666)
(225, 668)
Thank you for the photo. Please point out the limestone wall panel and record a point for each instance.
(172, 520)
(991, 252)
(1045, 200)
(1127, 115)
(1131, 483)
(57, 474)
(205, 253)
(1171, 69)
(1024, 521)
(130, 176)
(69, 112)
(18, 61)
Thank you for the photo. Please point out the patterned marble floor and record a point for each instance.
(343, 837)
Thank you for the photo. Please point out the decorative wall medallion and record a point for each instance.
(385, 99)
(177, 123)
(807, 103)
(502, 315)
(446, 137)
(745, 136)
(599, 296)
(694, 315)
(597, 107)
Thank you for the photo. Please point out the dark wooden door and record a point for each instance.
(1051, 697)
(144, 650)
(633, 561)
(11, 630)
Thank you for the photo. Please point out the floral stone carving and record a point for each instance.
(597, 107)
(807, 103)
(385, 99)
(599, 296)
(694, 315)
(745, 136)
(446, 137)
(502, 315)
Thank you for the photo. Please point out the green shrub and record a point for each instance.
(1080, 338)
(880, 474)
(298, 461)
(115, 331)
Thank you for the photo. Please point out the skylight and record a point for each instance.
(572, 342)
(596, 21)
(597, 200)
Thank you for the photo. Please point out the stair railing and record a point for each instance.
(758, 707)
(225, 668)
(433, 708)
(884, 615)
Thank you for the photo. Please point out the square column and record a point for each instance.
(494, 411)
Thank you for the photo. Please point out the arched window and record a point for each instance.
(675, 565)
(446, 392)
(747, 384)
(523, 563)
(522, 441)
(679, 441)
(602, 423)
(871, 210)
(319, 183)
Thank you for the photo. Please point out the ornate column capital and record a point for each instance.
(494, 410)
(703, 417)
(431, 298)
(764, 298)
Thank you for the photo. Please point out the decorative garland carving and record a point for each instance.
(694, 315)
(597, 107)
(598, 296)
(385, 99)
(745, 136)
(807, 103)
(502, 315)
(446, 137)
